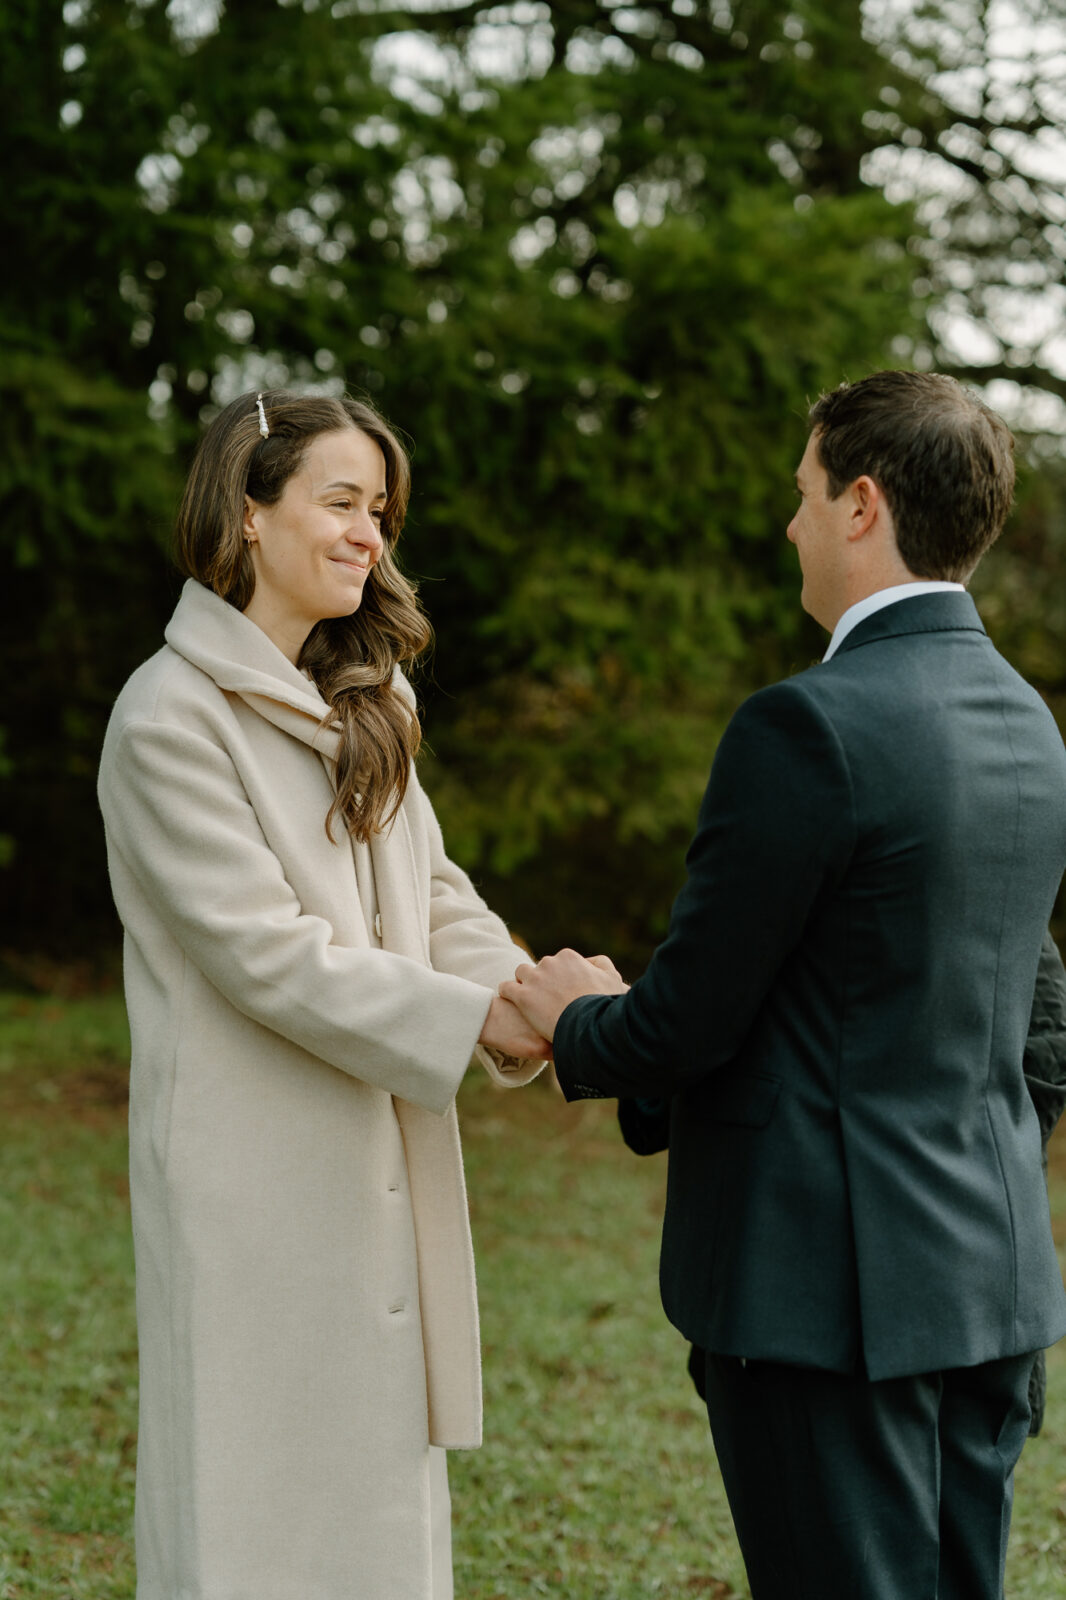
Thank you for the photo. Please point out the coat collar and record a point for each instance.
(947, 612)
(237, 655)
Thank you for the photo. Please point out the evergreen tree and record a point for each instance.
(594, 260)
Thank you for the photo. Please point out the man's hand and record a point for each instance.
(542, 993)
(507, 1030)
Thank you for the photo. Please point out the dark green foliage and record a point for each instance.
(596, 285)
(1019, 586)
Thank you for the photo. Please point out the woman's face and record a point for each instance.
(313, 550)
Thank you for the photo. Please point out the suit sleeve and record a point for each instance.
(178, 816)
(776, 831)
(645, 1125)
(1044, 1064)
(1044, 1061)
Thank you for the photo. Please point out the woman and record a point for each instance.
(307, 976)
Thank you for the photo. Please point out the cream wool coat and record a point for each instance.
(305, 1281)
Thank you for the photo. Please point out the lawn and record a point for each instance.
(596, 1481)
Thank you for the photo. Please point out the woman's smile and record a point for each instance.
(338, 492)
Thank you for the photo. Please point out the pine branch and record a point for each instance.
(1027, 377)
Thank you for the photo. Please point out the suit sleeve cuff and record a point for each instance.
(570, 1071)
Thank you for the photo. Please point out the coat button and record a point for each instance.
(377, 924)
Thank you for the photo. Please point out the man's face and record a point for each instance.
(819, 532)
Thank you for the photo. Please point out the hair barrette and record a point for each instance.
(263, 429)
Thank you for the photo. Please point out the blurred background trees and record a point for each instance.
(594, 259)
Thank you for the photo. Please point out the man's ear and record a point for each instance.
(867, 504)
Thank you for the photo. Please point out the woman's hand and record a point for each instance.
(507, 1030)
(542, 993)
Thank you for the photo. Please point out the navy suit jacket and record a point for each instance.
(839, 1013)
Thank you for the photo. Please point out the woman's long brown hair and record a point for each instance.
(350, 658)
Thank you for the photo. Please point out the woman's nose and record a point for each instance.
(366, 530)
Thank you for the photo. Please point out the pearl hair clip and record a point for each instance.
(263, 429)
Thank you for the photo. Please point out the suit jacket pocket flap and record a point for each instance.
(748, 1100)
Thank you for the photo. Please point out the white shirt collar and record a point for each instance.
(876, 602)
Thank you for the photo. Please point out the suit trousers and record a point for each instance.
(846, 1489)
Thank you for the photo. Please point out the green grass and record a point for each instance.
(596, 1481)
(596, 1478)
(68, 1362)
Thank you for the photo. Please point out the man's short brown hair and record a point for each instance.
(942, 459)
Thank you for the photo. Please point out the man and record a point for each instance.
(856, 1227)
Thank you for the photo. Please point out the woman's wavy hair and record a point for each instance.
(350, 658)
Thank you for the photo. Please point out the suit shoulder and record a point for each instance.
(790, 701)
(787, 733)
(1013, 682)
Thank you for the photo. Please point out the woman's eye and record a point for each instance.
(342, 505)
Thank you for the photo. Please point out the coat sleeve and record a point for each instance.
(1044, 1061)
(776, 830)
(179, 818)
(468, 939)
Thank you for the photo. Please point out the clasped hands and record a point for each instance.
(523, 1017)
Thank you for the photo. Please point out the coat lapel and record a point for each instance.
(446, 1284)
(401, 897)
(447, 1289)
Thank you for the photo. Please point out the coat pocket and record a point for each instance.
(748, 1100)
